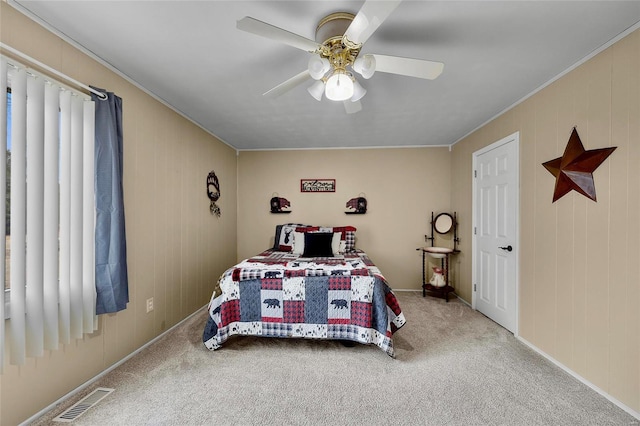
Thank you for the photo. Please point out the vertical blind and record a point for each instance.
(52, 212)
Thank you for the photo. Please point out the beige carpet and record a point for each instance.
(453, 366)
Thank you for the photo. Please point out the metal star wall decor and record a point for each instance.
(574, 170)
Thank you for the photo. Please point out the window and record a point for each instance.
(50, 209)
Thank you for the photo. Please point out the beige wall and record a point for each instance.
(176, 248)
(402, 187)
(579, 260)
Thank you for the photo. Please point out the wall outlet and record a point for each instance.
(149, 304)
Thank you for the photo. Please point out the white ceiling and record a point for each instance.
(190, 54)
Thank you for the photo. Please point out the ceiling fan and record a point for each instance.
(339, 39)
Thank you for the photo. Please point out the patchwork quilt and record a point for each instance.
(279, 294)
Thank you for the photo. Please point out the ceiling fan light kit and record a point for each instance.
(333, 58)
(358, 91)
(318, 67)
(316, 90)
(339, 86)
(339, 38)
(365, 66)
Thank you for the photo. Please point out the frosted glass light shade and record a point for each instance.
(339, 87)
(358, 92)
(365, 66)
(318, 67)
(316, 90)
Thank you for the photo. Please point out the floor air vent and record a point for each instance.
(80, 407)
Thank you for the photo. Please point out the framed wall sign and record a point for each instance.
(317, 185)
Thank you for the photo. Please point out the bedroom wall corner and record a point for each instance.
(176, 249)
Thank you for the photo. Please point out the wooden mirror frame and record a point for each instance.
(443, 223)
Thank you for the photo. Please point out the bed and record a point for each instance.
(314, 284)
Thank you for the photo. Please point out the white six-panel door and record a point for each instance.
(495, 227)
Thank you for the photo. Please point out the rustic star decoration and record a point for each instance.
(574, 170)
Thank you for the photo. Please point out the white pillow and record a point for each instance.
(336, 247)
(286, 238)
(298, 243)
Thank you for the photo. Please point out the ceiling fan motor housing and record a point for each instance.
(333, 26)
(329, 33)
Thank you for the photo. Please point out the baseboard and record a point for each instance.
(613, 400)
(104, 372)
(464, 301)
(413, 290)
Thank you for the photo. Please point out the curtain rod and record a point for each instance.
(57, 73)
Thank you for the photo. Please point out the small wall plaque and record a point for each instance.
(317, 185)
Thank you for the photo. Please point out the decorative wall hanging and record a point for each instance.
(278, 203)
(213, 192)
(317, 185)
(359, 204)
(574, 170)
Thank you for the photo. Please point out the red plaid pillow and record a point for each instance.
(348, 234)
(307, 229)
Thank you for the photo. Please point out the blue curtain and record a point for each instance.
(112, 282)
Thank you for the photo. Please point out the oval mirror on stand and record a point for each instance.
(443, 223)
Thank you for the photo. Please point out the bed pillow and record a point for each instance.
(350, 241)
(348, 235)
(280, 237)
(335, 243)
(308, 229)
(298, 243)
(276, 239)
(286, 238)
(318, 244)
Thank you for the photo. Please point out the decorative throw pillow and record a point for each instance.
(279, 242)
(308, 229)
(286, 238)
(348, 234)
(299, 237)
(276, 240)
(350, 241)
(335, 243)
(298, 243)
(318, 244)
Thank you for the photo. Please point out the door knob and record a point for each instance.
(507, 248)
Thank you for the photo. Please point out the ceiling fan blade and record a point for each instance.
(352, 107)
(284, 87)
(368, 19)
(263, 29)
(408, 66)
